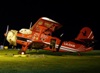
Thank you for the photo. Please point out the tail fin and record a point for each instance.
(85, 34)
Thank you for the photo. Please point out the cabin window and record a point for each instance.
(40, 22)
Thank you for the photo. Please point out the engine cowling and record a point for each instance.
(11, 37)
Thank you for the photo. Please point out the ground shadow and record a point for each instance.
(91, 53)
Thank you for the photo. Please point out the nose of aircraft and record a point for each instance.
(11, 37)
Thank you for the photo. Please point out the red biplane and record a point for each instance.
(39, 36)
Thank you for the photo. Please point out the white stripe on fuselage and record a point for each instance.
(64, 48)
(90, 34)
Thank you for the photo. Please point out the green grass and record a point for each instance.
(49, 62)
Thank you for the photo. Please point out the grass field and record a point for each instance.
(49, 62)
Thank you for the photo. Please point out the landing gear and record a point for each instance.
(21, 52)
(59, 46)
(79, 54)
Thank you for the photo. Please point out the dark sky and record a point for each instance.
(72, 15)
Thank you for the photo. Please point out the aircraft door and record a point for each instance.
(52, 43)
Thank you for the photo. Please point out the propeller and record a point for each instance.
(7, 30)
(10, 36)
(30, 25)
(6, 34)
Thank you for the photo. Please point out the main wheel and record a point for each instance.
(21, 52)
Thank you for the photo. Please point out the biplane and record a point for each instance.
(39, 36)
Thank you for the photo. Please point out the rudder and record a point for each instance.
(85, 33)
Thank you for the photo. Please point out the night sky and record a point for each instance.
(72, 15)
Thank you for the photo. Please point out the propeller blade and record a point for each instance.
(30, 25)
(7, 29)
